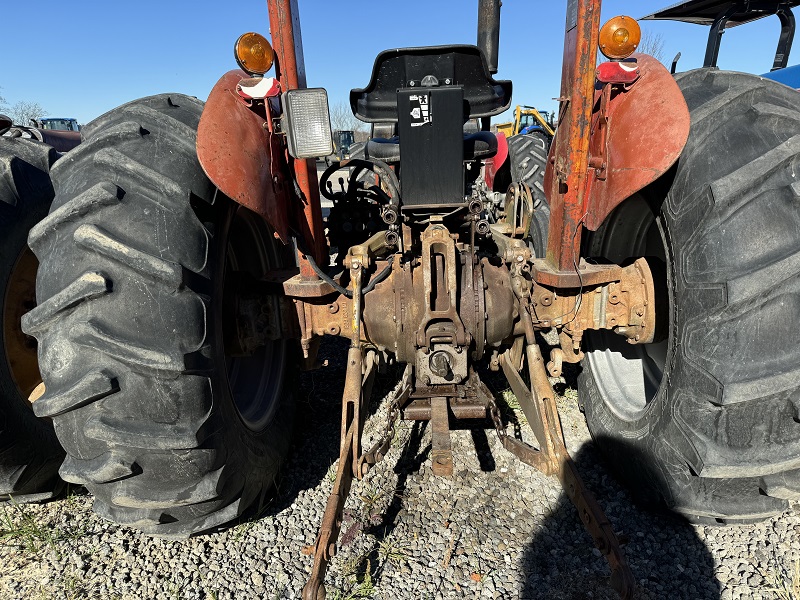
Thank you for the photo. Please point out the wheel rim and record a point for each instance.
(255, 381)
(627, 376)
(20, 349)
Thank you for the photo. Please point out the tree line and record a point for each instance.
(23, 111)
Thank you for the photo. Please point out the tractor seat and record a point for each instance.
(478, 145)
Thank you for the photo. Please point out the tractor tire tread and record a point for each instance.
(728, 446)
(130, 407)
(31, 453)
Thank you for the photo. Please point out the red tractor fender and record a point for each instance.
(637, 135)
(493, 166)
(240, 155)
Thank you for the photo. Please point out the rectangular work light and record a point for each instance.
(307, 123)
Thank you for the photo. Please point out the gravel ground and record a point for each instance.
(497, 529)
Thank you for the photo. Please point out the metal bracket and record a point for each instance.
(441, 450)
(355, 388)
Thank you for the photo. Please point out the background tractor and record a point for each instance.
(527, 120)
(342, 142)
(59, 133)
(184, 279)
(56, 124)
(529, 138)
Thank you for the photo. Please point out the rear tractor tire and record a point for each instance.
(707, 421)
(527, 155)
(29, 451)
(171, 431)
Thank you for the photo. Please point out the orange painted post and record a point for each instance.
(568, 184)
(284, 20)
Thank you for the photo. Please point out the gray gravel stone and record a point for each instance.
(499, 529)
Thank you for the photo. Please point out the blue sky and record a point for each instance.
(81, 59)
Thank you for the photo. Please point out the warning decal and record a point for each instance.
(420, 110)
(572, 15)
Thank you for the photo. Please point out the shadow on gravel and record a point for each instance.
(317, 424)
(667, 558)
(414, 455)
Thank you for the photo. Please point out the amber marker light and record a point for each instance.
(253, 53)
(620, 37)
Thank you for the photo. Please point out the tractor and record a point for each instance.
(528, 119)
(61, 134)
(56, 124)
(343, 140)
(184, 276)
(528, 138)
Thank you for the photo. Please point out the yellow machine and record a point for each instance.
(528, 118)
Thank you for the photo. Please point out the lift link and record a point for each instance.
(358, 380)
(552, 458)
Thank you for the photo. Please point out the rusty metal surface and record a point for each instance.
(441, 450)
(625, 305)
(290, 70)
(566, 176)
(61, 141)
(381, 446)
(439, 289)
(234, 151)
(20, 349)
(648, 129)
(420, 410)
(519, 209)
(588, 274)
(356, 391)
(525, 452)
(325, 545)
(400, 306)
(530, 409)
(538, 404)
(298, 286)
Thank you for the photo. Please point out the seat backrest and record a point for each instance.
(430, 67)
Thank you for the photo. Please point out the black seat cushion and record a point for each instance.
(387, 150)
(481, 144)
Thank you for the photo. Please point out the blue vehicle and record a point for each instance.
(56, 124)
(724, 14)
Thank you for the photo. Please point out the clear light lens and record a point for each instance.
(307, 123)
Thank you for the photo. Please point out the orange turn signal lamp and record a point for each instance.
(620, 37)
(254, 54)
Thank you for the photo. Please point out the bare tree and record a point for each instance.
(342, 119)
(652, 44)
(23, 111)
(3, 105)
